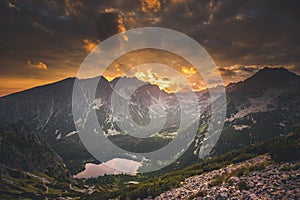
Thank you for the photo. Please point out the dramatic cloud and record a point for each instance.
(39, 26)
(165, 69)
(107, 24)
(11, 5)
(241, 36)
(150, 5)
(89, 45)
(37, 65)
(73, 7)
(237, 73)
(189, 71)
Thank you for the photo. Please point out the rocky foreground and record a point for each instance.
(257, 178)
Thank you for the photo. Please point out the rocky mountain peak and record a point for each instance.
(264, 79)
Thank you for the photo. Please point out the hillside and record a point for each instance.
(284, 150)
(22, 149)
(256, 178)
(35, 185)
(263, 106)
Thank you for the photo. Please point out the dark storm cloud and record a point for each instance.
(38, 35)
(51, 32)
(106, 25)
(248, 68)
(245, 34)
(41, 42)
(226, 72)
(241, 32)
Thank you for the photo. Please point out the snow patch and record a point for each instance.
(240, 127)
(133, 182)
(257, 105)
(71, 133)
(112, 132)
(50, 115)
(59, 136)
(78, 121)
(97, 104)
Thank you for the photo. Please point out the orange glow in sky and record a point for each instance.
(176, 76)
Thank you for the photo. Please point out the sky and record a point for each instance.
(46, 41)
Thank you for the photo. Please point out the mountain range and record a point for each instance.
(261, 107)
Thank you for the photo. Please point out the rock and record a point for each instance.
(269, 183)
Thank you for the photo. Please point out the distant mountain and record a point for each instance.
(258, 108)
(265, 79)
(48, 111)
(261, 107)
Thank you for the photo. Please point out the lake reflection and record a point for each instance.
(114, 166)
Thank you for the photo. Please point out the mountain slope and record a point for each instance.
(217, 170)
(266, 78)
(22, 149)
(257, 178)
(47, 110)
(263, 106)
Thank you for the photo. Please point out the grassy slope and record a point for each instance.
(283, 148)
(15, 183)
